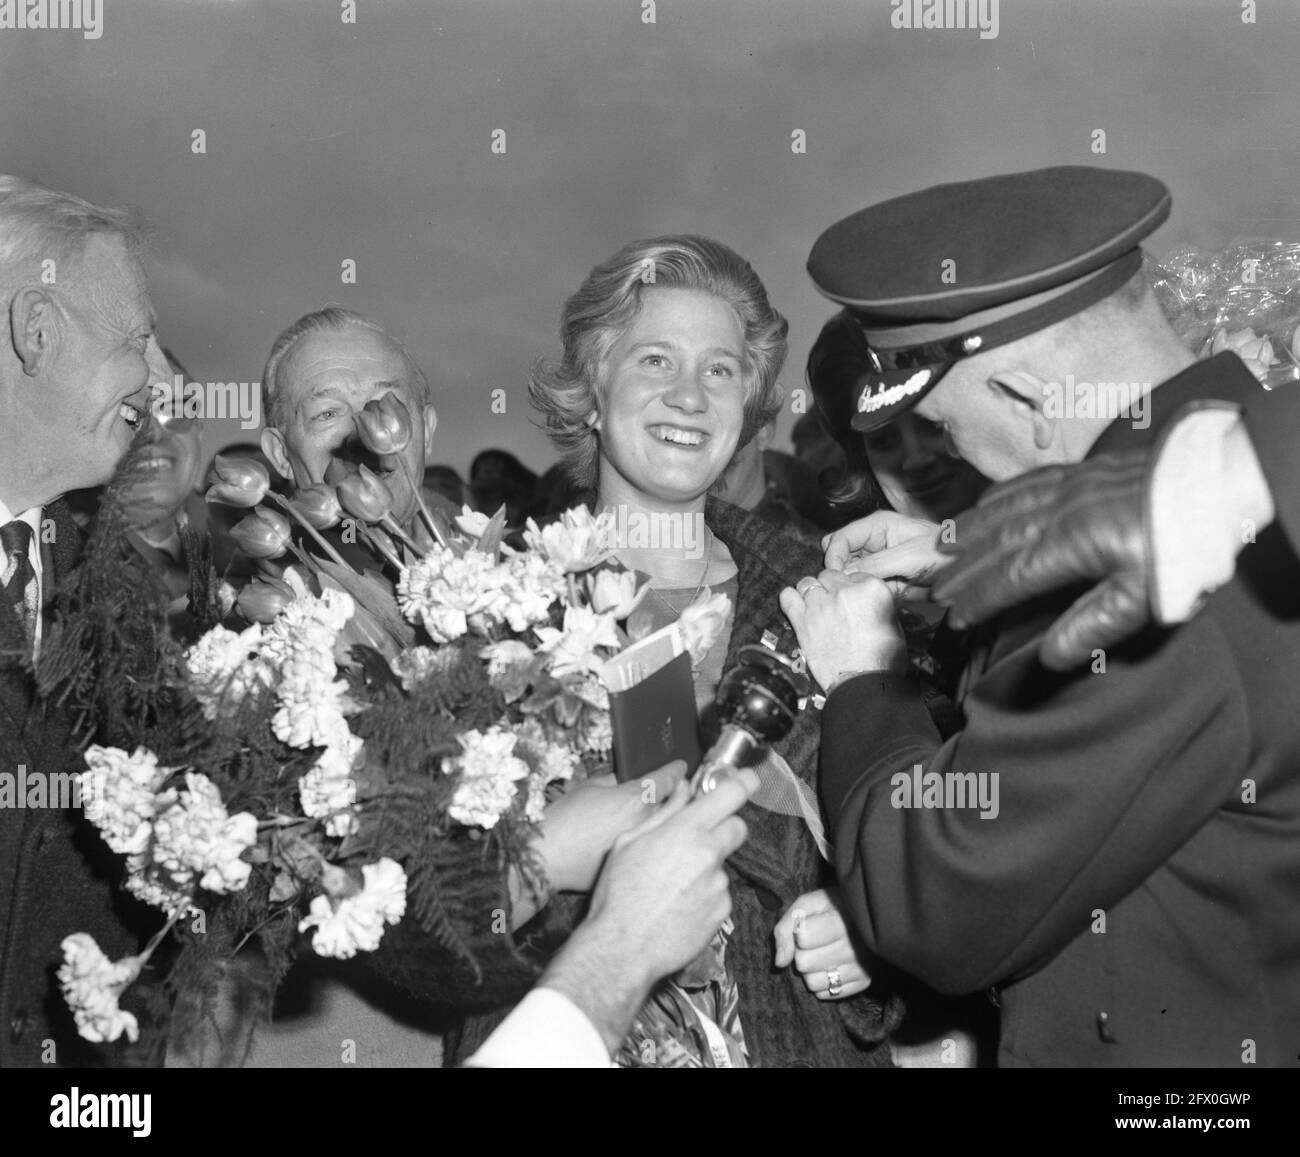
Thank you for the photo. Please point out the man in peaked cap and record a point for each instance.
(1132, 896)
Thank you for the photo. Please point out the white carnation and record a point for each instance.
(488, 770)
(120, 795)
(348, 924)
(92, 985)
(416, 664)
(444, 592)
(598, 735)
(194, 836)
(329, 789)
(224, 668)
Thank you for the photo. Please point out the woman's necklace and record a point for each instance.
(694, 594)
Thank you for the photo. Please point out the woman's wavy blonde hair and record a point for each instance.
(566, 391)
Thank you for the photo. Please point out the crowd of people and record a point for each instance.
(1106, 890)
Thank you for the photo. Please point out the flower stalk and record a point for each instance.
(289, 508)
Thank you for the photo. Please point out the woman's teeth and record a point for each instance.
(678, 437)
(130, 415)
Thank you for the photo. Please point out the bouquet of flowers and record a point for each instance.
(294, 773)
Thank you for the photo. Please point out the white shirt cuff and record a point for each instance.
(545, 1031)
(1193, 529)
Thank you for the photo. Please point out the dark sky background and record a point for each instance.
(328, 141)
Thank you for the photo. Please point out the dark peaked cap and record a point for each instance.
(939, 275)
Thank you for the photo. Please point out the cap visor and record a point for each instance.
(886, 395)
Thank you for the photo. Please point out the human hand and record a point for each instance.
(1051, 528)
(579, 827)
(658, 902)
(901, 551)
(814, 936)
(664, 890)
(846, 626)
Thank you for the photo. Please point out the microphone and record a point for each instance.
(758, 701)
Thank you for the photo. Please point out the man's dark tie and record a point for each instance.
(16, 538)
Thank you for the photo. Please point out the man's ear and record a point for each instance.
(430, 425)
(1032, 397)
(273, 448)
(32, 329)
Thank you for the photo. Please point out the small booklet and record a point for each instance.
(652, 705)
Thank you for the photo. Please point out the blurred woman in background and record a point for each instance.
(907, 464)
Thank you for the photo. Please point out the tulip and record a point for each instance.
(616, 592)
(262, 534)
(702, 623)
(471, 522)
(237, 481)
(365, 495)
(339, 469)
(384, 425)
(318, 505)
(578, 542)
(385, 428)
(262, 600)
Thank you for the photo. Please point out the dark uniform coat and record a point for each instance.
(1136, 900)
(1273, 420)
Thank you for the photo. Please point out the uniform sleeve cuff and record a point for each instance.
(870, 719)
(545, 1031)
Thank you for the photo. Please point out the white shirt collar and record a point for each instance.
(33, 516)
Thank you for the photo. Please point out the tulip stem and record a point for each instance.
(438, 536)
(375, 544)
(390, 524)
(302, 556)
(293, 511)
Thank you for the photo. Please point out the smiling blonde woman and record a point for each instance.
(671, 352)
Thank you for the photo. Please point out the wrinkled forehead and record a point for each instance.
(112, 279)
(353, 360)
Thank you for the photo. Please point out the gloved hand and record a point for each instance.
(1052, 528)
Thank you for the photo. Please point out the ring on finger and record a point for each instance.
(834, 983)
(807, 584)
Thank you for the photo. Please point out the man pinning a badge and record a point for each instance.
(1136, 901)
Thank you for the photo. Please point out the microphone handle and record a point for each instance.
(730, 751)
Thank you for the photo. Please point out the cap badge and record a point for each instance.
(869, 403)
(971, 343)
